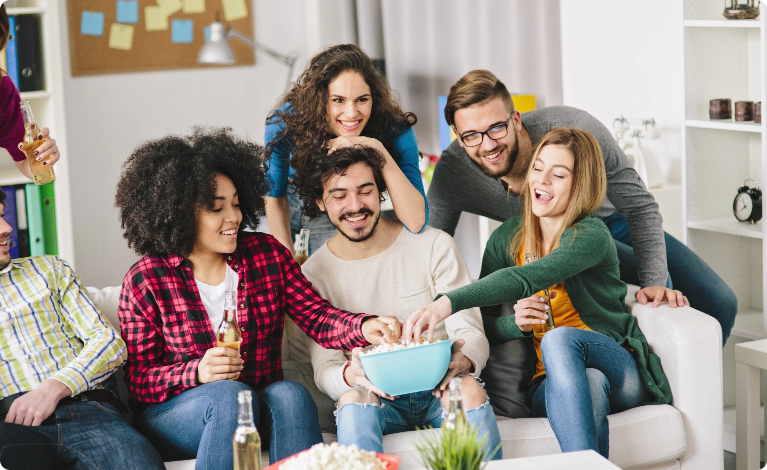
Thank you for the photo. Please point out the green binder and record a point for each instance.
(50, 239)
(35, 219)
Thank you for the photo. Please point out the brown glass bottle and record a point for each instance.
(41, 174)
(229, 334)
(542, 328)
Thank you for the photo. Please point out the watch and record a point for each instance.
(747, 206)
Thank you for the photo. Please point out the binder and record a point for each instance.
(35, 219)
(29, 52)
(50, 238)
(10, 53)
(10, 217)
(21, 221)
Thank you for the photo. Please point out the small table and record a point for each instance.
(583, 460)
(750, 357)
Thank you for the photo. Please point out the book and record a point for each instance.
(10, 218)
(29, 52)
(50, 238)
(21, 222)
(10, 53)
(35, 219)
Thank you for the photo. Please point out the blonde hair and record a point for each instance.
(586, 194)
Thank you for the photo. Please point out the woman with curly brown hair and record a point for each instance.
(184, 203)
(340, 100)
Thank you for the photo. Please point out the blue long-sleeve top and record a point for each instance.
(405, 154)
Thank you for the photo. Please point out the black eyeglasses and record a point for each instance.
(496, 132)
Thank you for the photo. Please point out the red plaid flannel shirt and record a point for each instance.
(166, 327)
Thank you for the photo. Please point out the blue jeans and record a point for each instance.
(79, 435)
(705, 290)
(320, 228)
(200, 422)
(365, 424)
(588, 376)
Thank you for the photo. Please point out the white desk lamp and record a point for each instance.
(217, 51)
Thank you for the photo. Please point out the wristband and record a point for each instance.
(343, 371)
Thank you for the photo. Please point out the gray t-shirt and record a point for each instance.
(459, 185)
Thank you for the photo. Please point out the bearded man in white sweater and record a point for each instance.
(375, 265)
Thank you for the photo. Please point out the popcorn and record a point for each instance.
(334, 457)
(388, 347)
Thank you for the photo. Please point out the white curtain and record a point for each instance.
(430, 44)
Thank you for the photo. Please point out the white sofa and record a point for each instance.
(685, 435)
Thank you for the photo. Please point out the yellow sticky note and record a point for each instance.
(234, 9)
(194, 6)
(169, 6)
(121, 36)
(155, 19)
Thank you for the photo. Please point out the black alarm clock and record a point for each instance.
(747, 206)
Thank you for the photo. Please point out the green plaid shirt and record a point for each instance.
(50, 327)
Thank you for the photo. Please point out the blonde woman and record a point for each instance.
(596, 361)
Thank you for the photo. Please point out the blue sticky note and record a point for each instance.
(92, 23)
(181, 31)
(127, 11)
(206, 32)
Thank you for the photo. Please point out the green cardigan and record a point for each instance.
(588, 263)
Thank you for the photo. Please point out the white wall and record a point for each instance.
(626, 58)
(109, 115)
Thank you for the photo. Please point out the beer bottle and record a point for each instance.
(246, 442)
(455, 416)
(540, 329)
(229, 334)
(302, 246)
(41, 174)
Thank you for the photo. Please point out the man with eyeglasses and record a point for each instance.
(483, 170)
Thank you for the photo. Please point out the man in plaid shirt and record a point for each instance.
(56, 350)
(205, 187)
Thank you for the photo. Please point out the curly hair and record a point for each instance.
(324, 166)
(306, 119)
(166, 182)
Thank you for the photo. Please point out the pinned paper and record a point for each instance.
(194, 6)
(234, 9)
(181, 31)
(169, 6)
(155, 19)
(206, 33)
(121, 36)
(127, 11)
(92, 23)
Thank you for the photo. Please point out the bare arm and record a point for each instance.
(278, 218)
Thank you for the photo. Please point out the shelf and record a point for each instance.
(32, 95)
(11, 176)
(748, 325)
(725, 125)
(25, 11)
(728, 225)
(723, 23)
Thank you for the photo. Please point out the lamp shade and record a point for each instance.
(216, 50)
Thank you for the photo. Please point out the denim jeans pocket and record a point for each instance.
(108, 408)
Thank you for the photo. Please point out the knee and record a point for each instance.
(289, 396)
(556, 340)
(357, 395)
(472, 393)
(223, 394)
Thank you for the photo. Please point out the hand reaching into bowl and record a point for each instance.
(428, 317)
(383, 329)
(459, 365)
(355, 376)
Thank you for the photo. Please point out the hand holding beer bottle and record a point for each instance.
(42, 171)
(229, 334)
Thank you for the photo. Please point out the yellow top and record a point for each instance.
(563, 311)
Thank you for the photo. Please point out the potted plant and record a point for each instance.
(455, 448)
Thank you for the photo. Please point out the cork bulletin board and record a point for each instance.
(121, 36)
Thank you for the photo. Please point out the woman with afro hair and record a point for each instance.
(340, 100)
(185, 204)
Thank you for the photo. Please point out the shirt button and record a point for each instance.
(242, 284)
(236, 265)
(244, 354)
(649, 383)
(242, 305)
(230, 257)
(31, 360)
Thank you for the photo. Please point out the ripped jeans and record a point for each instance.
(365, 424)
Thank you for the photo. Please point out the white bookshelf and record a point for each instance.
(48, 107)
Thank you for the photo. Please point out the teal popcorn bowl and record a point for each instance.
(408, 370)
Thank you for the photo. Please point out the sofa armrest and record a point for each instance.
(689, 344)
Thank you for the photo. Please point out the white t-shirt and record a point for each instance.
(213, 296)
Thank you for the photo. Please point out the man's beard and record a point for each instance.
(360, 236)
(510, 159)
